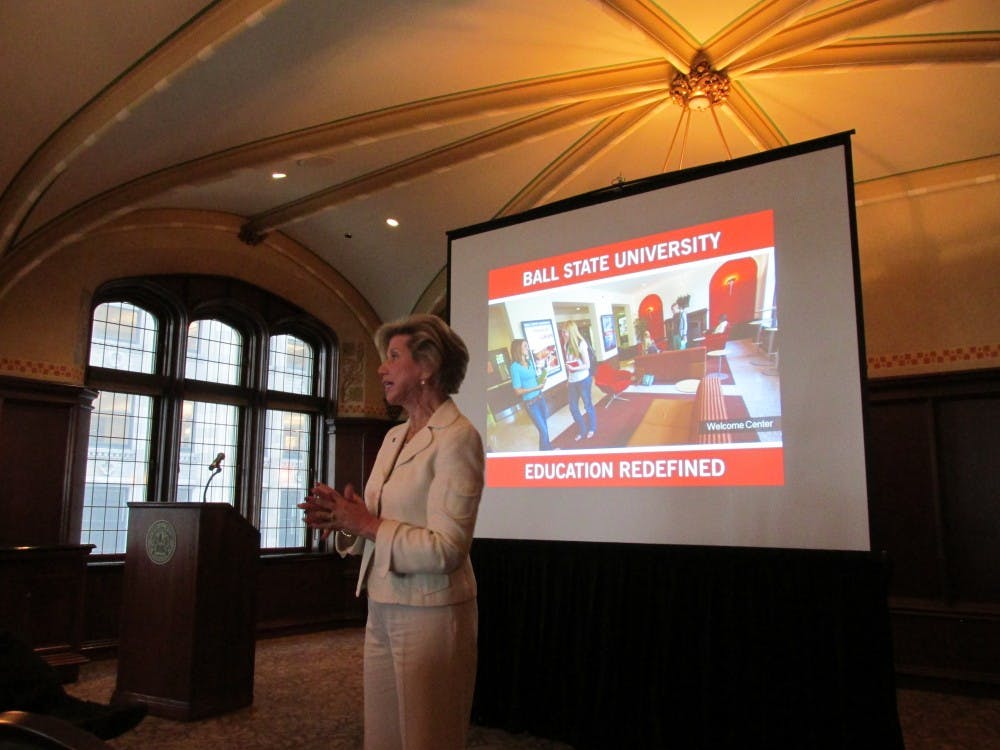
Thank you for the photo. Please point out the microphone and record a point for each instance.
(217, 463)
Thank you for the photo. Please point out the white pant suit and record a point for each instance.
(420, 640)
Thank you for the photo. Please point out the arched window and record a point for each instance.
(187, 373)
(291, 366)
(125, 338)
(214, 354)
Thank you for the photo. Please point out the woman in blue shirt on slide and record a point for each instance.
(527, 383)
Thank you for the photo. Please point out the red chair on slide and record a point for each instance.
(612, 382)
(715, 341)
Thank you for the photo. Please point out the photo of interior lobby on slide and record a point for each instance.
(651, 385)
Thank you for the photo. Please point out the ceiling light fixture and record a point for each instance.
(703, 88)
(700, 89)
(278, 175)
(392, 222)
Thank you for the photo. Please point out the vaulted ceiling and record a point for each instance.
(446, 113)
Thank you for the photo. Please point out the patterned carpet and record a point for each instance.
(307, 696)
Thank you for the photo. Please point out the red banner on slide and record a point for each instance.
(712, 240)
(709, 467)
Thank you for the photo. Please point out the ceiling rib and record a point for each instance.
(760, 23)
(636, 77)
(679, 47)
(601, 137)
(217, 23)
(936, 179)
(823, 28)
(475, 146)
(752, 120)
(927, 49)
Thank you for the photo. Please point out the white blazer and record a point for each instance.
(427, 494)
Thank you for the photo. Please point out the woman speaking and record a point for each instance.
(413, 530)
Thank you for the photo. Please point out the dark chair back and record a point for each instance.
(30, 731)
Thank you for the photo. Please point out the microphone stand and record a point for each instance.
(204, 495)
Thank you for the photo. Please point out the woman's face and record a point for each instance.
(400, 373)
(525, 351)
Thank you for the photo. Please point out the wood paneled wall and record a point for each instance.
(934, 500)
(43, 461)
(934, 505)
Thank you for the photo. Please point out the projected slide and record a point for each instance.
(669, 410)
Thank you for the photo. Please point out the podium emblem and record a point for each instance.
(161, 542)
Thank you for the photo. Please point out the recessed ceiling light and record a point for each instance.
(392, 222)
(278, 175)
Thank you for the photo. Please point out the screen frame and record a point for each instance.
(658, 182)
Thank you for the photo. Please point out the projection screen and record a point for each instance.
(737, 421)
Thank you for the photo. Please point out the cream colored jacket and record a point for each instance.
(427, 494)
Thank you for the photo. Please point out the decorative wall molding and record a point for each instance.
(362, 410)
(931, 361)
(48, 371)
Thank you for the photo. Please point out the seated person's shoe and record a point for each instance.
(99, 719)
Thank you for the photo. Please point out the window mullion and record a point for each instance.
(253, 449)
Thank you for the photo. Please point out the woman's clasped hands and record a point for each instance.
(328, 510)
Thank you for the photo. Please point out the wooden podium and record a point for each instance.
(186, 647)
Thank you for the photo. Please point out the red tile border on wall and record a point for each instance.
(879, 365)
(931, 361)
(22, 368)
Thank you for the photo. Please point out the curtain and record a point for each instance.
(644, 646)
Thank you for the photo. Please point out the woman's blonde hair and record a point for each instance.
(575, 337)
(431, 342)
